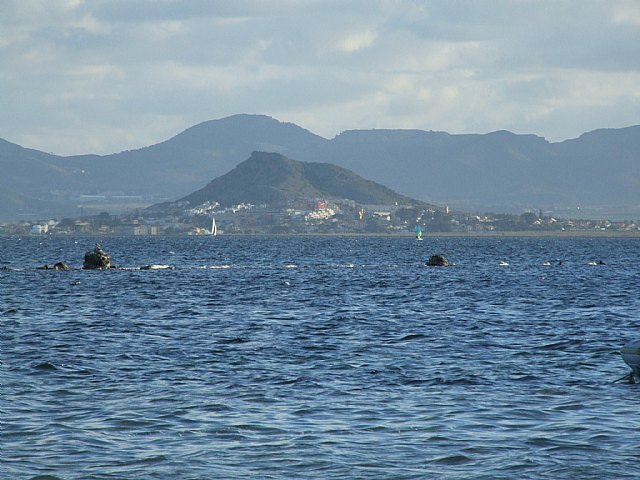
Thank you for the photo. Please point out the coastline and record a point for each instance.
(526, 233)
(425, 236)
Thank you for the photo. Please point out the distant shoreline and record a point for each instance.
(565, 234)
(425, 236)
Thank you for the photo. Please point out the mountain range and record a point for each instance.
(499, 171)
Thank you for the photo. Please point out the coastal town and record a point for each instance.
(316, 217)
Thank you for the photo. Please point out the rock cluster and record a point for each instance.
(96, 259)
(57, 266)
(437, 261)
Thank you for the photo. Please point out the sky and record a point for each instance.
(102, 76)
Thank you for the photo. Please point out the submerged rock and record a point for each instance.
(96, 259)
(437, 261)
(57, 266)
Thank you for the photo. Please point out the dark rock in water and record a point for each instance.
(96, 259)
(57, 266)
(437, 261)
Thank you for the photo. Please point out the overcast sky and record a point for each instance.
(101, 76)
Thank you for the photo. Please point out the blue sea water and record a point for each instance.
(319, 357)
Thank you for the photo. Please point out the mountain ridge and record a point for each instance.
(497, 171)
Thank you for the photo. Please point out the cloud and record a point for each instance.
(89, 71)
(357, 41)
(627, 12)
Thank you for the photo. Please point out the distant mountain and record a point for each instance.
(164, 171)
(27, 180)
(273, 179)
(499, 171)
(179, 165)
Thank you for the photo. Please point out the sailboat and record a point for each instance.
(418, 232)
(214, 228)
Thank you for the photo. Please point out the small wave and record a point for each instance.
(452, 460)
(414, 381)
(413, 336)
(463, 380)
(558, 345)
(157, 267)
(45, 366)
(233, 341)
(143, 461)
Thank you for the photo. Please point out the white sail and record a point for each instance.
(214, 228)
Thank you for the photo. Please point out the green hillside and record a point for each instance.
(273, 179)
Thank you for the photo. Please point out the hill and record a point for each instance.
(273, 179)
(499, 171)
(51, 185)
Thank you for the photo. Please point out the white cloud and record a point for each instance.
(77, 75)
(92, 73)
(627, 12)
(357, 41)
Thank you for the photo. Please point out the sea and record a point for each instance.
(322, 357)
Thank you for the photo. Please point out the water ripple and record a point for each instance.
(318, 357)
